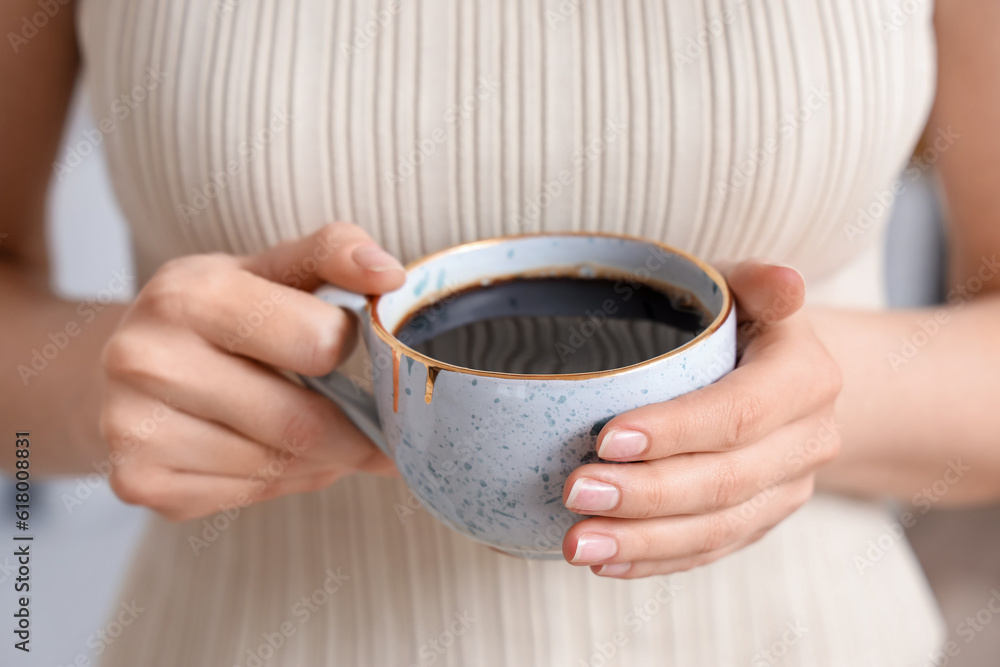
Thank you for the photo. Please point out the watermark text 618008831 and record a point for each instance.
(22, 541)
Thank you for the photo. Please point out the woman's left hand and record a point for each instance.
(712, 471)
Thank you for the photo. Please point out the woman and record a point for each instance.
(772, 130)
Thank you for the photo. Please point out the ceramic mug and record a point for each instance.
(488, 453)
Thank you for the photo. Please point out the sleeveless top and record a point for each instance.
(733, 129)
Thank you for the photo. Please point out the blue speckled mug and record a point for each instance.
(488, 453)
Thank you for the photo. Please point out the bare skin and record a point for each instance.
(763, 429)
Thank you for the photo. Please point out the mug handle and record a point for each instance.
(357, 405)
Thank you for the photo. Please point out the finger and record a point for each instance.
(604, 540)
(652, 568)
(340, 253)
(765, 290)
(243, 313)
(700, 483)
(184, 443)
(185, 496)
(243, 395)
(787, 377)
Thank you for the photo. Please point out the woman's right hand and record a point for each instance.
(195, 416)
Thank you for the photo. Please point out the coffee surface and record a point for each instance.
(554, 325)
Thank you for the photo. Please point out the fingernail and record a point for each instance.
(591, 548)
(373, 258)
(589, 495)
(613, 569)
(623, 444)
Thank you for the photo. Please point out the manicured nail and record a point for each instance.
(373, 258)
(623, 444)
(589, 495)
(613, 569)
(592, 548)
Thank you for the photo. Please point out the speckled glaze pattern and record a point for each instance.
(488, 453)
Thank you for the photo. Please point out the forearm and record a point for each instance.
(920, 395)
(50, 385)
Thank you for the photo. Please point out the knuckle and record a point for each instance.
(123, 354)
(304, 429)
(327, 345)
(134, 486)
(112, 424)
(742, 413)
(657, 500)
(727, 484)
(719, 532)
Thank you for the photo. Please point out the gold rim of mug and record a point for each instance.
(430, 362)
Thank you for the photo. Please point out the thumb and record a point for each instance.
(340, 253)
(765, 290)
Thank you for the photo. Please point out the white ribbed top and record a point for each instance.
(732, 129)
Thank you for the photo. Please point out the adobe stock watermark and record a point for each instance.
(246, 152)
(99, 642)
(780, 647)
(624, 289)
(607, 653)
(260, 312)
(559, 14)
(899, 14)
(433, 650)
(363, 35)
(39, 358)
(788, 126)
(140, 432)
(120, 110)
(795, 460)
(882, 201)
(922, 502)
(696, 45)
(583, 157)
(31, 24)
(930, 326)
(213, 527)
(300, 614)
(428, 146)
(968, 629)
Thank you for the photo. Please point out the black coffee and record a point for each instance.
(554, 325)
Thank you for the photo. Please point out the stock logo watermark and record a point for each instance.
(88, 310)
(779, 649)
(932, 325)
(363, 35)
(129, 442)
(246, 152)
(431, 651)
(882, 201)
(968, 629)
(302, 611)
(582, 159)
(788, 126)
(30, 25)
(213, 527)
(121, 108)
(427, 147)
(696, 45)
(922, 502)
(638, 618)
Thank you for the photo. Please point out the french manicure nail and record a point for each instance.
(592, 548)
(373, 258)
(623, 444)
(614, 569)
(589, 495)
